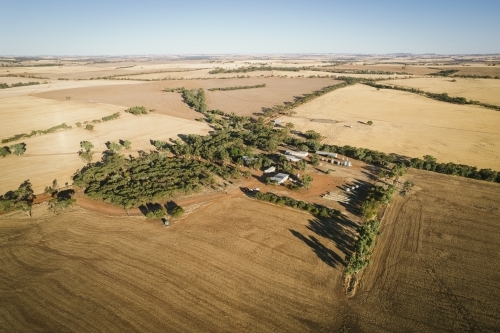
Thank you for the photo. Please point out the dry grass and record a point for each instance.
(435, 266)
(149, 95)
(405, 123)
(54, 156)
(483, 90)
(252, 270)
(59, 85)
(23, 114)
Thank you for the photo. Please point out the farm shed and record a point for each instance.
(280, 178)
(270, 169)
(297, 153)
(326, 153)
(292, 158)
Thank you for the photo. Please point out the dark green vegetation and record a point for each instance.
(137, 110)
(446, 72)
(177, 212)
(89, 127)
(131, 182)
(16, 149)
(363, 248)
(56, 205)
(195, 98)
(111, 117)
(53, 129)
(19, 84)
(314, 209)
(377, 197)
(440, 97)
(86, 152)
(20, 199)
(238, 87)
(218, 70)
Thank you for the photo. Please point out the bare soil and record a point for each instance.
(435, 265)
(240, 265)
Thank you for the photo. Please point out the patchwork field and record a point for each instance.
(55, 155)
(405, 123)
(238, 265)
(483, 90)
(435, 266)
(242, 102)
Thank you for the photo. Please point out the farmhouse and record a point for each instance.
(280, 178)
(297, 153)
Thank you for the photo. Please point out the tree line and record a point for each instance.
(19, 84)
(17, 149)
(444, 97)
(314, 209)
(238, 87)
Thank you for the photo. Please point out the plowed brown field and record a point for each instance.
(435, 266)
(238, 266)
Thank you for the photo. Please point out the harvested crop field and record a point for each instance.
(22, 114)
(238, 266)
(55, 155)
(474, 70)
(435, 266)
(405, 123)
(483, 90)
(149, 95)
(242, 102)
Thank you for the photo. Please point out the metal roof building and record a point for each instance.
(280, 178)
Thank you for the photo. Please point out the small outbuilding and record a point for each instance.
(280, 178)
(270, 169)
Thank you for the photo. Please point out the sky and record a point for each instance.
(109, 27)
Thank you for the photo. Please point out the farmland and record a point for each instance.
(238, 261)
(236, 265)
(437, 259)
(404, 123)
(483, 90)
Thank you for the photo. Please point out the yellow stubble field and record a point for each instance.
(483, 90)
(404, 123)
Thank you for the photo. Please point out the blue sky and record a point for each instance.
(213, 27)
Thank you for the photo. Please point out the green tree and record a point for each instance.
(369, 122)
(114, 146)
(126, 144)
(18, 149)
(89, 127)
(177, 212)
(87, 145)
(313, 135)
(306, 181)
(155, 213)
(314, 159)
(4, 151)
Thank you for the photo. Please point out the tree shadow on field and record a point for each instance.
(339, 231)
(149, 207)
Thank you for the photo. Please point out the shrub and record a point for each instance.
(89, 127)
(137, 110)
(177, 212)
